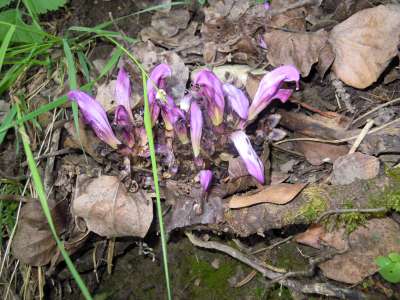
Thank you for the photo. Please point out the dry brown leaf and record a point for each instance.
(293, 19)
(33, 243)
(299, 49)
(377, 237)
(351, 167)
(169, 24)
(109, 210)
(278, 194)
(365, 44)
(311, 237)
(319, 153)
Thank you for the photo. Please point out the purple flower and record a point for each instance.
(95, 116)
(170, 113)
(205, 179)
(185, 102)
(237, 100)
(124, 123)
(253, 163)
(181, 130)
(267, 6)
(269, 88)
(123, 91)
(211, 90)
(156, 85)
(196, 127)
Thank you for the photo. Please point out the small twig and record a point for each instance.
(309, 271)
(341, 140)
(349, 210)
(298, 4)
(270, 247)
(16, 198)
(287, 150)
(376, 109)
(13, 178)
(361, 136)
(51, 154)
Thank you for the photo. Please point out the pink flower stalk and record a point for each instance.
(269, 89)
(253, 163)
(123, 122)
(95, 116)
(205, 179)
(211, 90)
(196, 127)
(156, 85)
(123, 91)
(237, 100)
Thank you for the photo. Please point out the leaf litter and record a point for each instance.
(241, 42)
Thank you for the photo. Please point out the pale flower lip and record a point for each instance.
(205, 179)
(253, 163)
(237, 100)
(211, 90)
(196, 127)
(95, 116)
(269, 88)
(156, 85)
(123, 91)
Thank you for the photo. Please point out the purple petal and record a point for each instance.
(196, 127)
(157, 81)
(237, 100)
(181, 130)
(211, 89)
(95, 116)
(269, 88)
(267, 6)
(122, 120)
(123, 91)
(261, 42)
(205, 179)
(249, 156)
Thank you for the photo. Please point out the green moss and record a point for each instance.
(315, 205)
(288, 257)
(351, 220)
(389, 197)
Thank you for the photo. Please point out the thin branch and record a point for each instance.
(17, 198)
(350, 210)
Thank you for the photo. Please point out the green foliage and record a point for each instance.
(4, 3)
(8, 209)
(315, 205)
(351, 220)
(389, 267)
(24, 33)
(43, 6)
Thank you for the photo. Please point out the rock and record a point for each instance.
(350, 167)
(377, 237)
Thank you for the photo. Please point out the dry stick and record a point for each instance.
(51, 154)
(361, 136)
(341, 140)
(273, 245)
(376, 109)
(294, 6)
(16, 198)
(350, 210)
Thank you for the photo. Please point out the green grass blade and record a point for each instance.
(149, 132)
(37, 181)
(32, 12)
(5, 43)
(83, 62)
(73, 82)
(7, 122)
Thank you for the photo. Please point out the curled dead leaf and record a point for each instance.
(296, 48)
(109, 210)
(365, 44)
(311, 237)
(33, 243)
(278, 194)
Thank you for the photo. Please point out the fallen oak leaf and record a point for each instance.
(277, 194)
(312, 236)
(365, 44)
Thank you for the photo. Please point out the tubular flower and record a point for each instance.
(196, 127)
(253, 163)
(181, 130)
(170, 113)
(156, 85)
(123, 122)
(237, 100)
(123, 91)
(185, 102)
(95, 116)
(269, 89)
(205, 179)
(211, 90)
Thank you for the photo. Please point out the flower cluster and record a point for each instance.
(208, 94)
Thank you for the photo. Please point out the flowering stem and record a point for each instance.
(149, 132)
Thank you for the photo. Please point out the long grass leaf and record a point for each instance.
(7, 123)
(83, 62)
(73, 82)
(5, 43)
(37, 181)
(149, 132)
